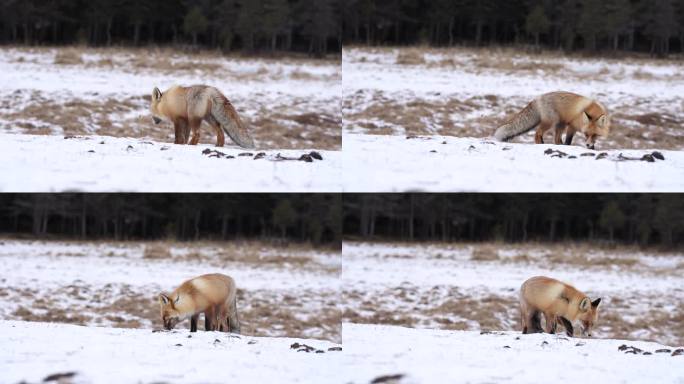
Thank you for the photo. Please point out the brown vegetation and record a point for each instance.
(636, 124)
(312, 124)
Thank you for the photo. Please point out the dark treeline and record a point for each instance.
(314, 218)
(311, 26)
(655, 26)
(647, 219)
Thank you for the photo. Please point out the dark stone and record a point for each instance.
(658, 155)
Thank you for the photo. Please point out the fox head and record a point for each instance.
(588, 315)
(596, 127)
(169, 314)
(154, 105)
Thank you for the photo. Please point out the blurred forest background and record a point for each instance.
(628, 219)
(654, 26)
(314, 218)
(311, 26)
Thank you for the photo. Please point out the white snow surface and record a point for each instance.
(409, 284)
(103, 281)
(33, 163)
(31, 351)
(435, 356)
(380, 163)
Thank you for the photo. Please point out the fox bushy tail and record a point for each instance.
(523, 122)
(226, 115)
(233, 320)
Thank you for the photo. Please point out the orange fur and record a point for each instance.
(215, 295)
(558, 301)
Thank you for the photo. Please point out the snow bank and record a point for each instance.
(375, 163)
(98, 163)
(33, 351)
(427, 356)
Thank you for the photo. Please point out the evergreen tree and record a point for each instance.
(537, 23)
(195, 23)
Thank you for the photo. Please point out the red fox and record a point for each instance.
(558, 301)
(186, 107)
(214, 294)
(558, 110)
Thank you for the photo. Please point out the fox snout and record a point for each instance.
(170, 323)
(590, 145)
(156, 119)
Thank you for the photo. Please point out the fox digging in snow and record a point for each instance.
(214, 294)
(186, 107)
(558, 301)
(559, 110)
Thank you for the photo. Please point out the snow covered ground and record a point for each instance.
(475, 287)
(391, 163)
(291, 106)
(50, 163)
(381, 353)
(461, 95)
(284, 292)
(286, 103)
(469, 92)
(33, 352)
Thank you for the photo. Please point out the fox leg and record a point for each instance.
(209, 319)
(569, 135)
(193, 323)
(558, 134)
(220, 138)
(568, 326)
(539, 135)
(523, 316)
(550, 322)
(195, 126)
(534, 322)
(180, 128)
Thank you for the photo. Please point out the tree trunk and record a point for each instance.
(478, 34)
(368, 37)
(451, 32)
(109, 32)
(26, 33)
(83, 220)
(197, 230)
(136, 34)
(54, 32)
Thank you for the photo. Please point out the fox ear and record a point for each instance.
(156, 94)
(177, 298)
(164, 299)
(596, 303)
(601, 122)
(584, 304)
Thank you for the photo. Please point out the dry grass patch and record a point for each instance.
(68, 57)
(261, 313)
(484, 253)
(157, 251)
(459, 310)
(129, 117)
(410, 57)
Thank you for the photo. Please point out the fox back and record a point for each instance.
(187, 107)
(558, 299)
(194, 296)
(580, 112)
(558, 109)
